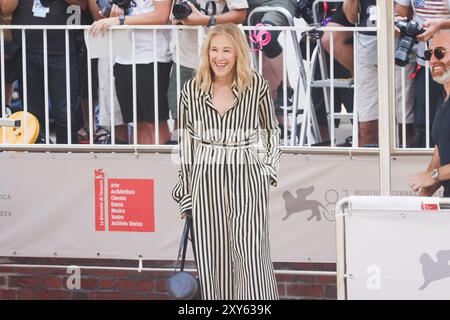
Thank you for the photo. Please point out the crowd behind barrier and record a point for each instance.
(93, 97)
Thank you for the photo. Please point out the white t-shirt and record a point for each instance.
(189, 38)
(427, 10)
(144, 38)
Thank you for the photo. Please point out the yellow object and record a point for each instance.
(16, 135)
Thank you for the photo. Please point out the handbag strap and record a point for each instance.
(191, 229)
(183, 246)
(187, 231)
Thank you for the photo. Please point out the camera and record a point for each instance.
(106, 5)
(409, 30)
(304, 11)
(182, 10)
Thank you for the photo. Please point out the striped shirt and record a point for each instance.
(431, 9)
(250, 117)
(427, 9)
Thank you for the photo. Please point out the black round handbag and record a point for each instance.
(183, 285)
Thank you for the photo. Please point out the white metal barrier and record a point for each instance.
(304, 95)
(393, 248)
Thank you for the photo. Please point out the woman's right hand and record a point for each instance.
(186, 214)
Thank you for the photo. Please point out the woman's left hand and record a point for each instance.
(100, 26)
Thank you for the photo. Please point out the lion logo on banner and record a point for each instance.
(99, 174)
(433, 271)
(301, 204)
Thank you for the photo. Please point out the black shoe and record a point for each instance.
(41, 139)
(279, 102)
(281, 126)
(8, 112)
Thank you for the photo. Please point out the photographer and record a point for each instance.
(143, 12)
(210, 14)
(48, 12)
(429, 15)
(273, 50)
(333, 16)
(366, 75)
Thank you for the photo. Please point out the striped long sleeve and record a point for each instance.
(271, 133)
(182, 193)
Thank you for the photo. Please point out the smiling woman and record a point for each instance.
(223, 181)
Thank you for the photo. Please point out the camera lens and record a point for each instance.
(409, 31)
(181, 10)
(405, 46)
(401, 58)
(106, 11)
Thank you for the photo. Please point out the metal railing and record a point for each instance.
(303, 90)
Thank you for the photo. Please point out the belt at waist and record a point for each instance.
(240, 144)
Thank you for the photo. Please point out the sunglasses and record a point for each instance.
(439, 53)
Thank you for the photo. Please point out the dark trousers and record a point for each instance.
(56, 90)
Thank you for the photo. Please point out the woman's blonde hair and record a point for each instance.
(242, 71)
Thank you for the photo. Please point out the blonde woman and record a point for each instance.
(223, 181)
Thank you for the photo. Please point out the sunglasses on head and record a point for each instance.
(439, 53)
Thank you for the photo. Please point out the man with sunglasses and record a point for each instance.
(438, 171)
(426, 13)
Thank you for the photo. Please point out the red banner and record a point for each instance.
(131, 205)
(99, 200)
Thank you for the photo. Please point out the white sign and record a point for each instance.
(397, 248)
(120, 206)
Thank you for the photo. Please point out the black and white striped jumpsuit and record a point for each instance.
(226, 184)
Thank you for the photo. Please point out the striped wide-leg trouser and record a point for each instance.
(230, 191)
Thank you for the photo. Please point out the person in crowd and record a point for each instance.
(211, 13)
(11, 64)
(438, 171)
(342, 40)
(429, 14)
(332, 15)
(273, 51)
(35, 12)
(363, 13)
(143, 12)
(83, 126)
(224, 184)
(101, 73)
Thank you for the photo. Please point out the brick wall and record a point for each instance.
(46, 283)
